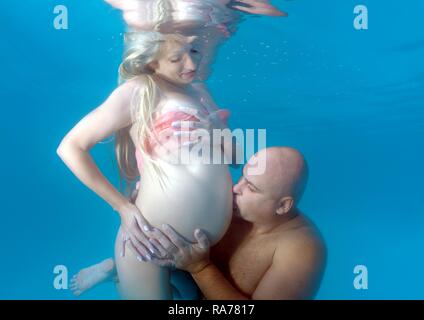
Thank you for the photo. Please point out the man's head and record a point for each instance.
(275, 192)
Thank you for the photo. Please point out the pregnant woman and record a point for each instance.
(157, 92)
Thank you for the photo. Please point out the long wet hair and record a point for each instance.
(141, 49)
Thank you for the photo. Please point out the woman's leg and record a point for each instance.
(140, 280)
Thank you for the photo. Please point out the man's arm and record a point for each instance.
(215, 286)
(295, 272)
(193, 258)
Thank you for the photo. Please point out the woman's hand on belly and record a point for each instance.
(134, 227)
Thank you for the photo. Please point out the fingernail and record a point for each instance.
(148, 257)
(164, 226)
(146, 228)
(139, 258)
(174, 124)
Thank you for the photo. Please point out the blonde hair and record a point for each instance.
(141, 49)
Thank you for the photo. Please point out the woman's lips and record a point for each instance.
(187, 75)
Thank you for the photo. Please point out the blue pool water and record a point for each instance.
(352, 101)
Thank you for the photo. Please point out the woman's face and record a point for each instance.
(178, 62)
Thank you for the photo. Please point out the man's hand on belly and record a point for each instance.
(181, 254)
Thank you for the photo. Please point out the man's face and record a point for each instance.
(253, 199)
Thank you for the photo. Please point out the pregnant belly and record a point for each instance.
(190, 197)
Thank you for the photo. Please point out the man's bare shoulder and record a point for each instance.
(298, 263)
(303, 238)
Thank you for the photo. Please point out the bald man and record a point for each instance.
(271, 250)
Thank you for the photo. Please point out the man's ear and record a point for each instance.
(284, 205)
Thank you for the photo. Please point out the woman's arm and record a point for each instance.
(112, 115)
